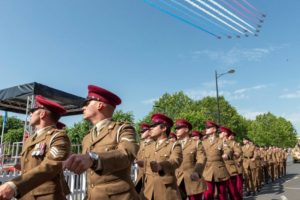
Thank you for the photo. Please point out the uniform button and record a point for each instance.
(91, 172)
(92, 185)
(26, 160)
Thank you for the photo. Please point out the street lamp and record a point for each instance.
(217, 89)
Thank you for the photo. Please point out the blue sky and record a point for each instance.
(140, 53)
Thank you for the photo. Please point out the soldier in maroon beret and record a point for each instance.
(232, 153)
(190, 171)
(215, 172)
(163, 157)
(109, 149)
(145, 140)
(41, 159)
(238, 162)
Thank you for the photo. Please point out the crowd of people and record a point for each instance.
(187, 164)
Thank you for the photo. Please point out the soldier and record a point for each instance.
(249, 166)
(215, 172)
(271, 163)
(41, 158)
(145, 140)
(162, 158)
(286, 154)
(189, 173)
(258, 171)
(229, 162)
(109, 149)
(238, 163)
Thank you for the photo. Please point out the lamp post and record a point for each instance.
(217, 90)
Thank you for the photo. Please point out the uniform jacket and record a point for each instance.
(141, 170)
(193, 161)
(238, 160)
(249, 154)
(230, 163)
(162, 185)
(215, 169)
(41, 166)
(116, 146)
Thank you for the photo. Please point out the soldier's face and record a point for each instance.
(182, 132)
(35, 117)
(210, 130)
(90, 109)
(156, 131)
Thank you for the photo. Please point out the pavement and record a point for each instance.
(285, 188)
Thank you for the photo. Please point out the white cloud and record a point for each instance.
(244, 90)
(236, 54)
(149, 101)
(250, 114)
(292, 95)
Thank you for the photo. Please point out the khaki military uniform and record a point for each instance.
(116, 146)
(162, 185)
(215, 169)
(41, 165)
(271, 164)
(249, 166)
(238, 160)
(230, 163)
(141, 171)
(193, 161)
(258, 169)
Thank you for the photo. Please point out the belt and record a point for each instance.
(248, 157)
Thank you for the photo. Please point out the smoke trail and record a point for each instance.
(201, 16)
(180, 18)
(226, 17)
(212, 15)
(230, 13)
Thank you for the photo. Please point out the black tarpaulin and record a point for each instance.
(14, 99)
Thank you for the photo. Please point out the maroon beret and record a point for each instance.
(172, 135)
(144, 126)
(224, 129)
(101, 94)
(183, 123)
(42, 102)
(210, 124)
(60, 125)
(162, 119)
(196, 133)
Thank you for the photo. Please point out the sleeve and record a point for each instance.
(174, 161)
(51, 166)
(123, 156)
(200, 159)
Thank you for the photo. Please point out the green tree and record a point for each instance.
(122, 116)
(14, 129)
(267, 129)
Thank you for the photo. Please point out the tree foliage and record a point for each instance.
(14, 129)
(267, 129)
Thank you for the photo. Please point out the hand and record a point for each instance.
(155, 167)
(6, 192)
(224, 156)
(195, 176)
(78, 163)
(140, 163)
